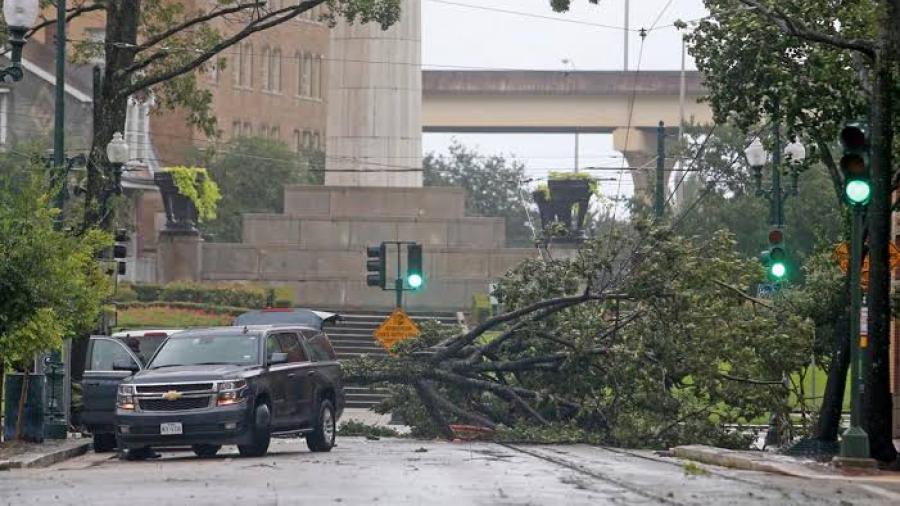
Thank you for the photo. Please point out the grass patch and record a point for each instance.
(169, 318)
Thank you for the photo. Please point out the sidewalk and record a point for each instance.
(18, 454)
(781, 464)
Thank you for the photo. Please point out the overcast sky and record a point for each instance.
(459, 34)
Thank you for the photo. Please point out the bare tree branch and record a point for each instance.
(799, 29)
(836, 178)
(426, 393)
(440, 401)
(71, 14)
(216, 13)
(744, 295)
(751, 380)
(269, 20)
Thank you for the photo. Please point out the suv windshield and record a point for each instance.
(239, 349)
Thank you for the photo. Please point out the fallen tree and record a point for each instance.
(660, 347)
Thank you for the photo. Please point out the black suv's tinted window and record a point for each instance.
(321, 348)
(239, 349)
(104, 353)
(291, 346)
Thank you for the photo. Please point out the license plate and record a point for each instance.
(170, 429)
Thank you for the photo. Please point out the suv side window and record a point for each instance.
(273, 345)
(320, 347)
(104, 353)
(291, 346)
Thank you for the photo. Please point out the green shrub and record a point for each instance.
(147, 293)
(125, 293)
(220, 295)
(481, 307)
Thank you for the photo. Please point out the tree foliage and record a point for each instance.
(494, 186)
(251, 175)
(52, 284)
(660, 347)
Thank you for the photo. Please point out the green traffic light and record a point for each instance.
(778, 270)
(414, 280)
(858, 191)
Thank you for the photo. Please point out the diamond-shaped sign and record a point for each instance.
(397, 327)
(842, 255)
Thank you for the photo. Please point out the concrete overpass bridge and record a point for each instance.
(628, 105)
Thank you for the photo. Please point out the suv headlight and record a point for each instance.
(125, 397)
(231, 392)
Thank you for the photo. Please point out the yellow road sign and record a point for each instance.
(397, 327)
(842, 255)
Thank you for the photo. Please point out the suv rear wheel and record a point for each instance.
(321, 439)
(260, 431)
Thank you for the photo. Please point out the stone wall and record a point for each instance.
(318, 246)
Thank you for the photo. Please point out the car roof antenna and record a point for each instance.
(245, 329)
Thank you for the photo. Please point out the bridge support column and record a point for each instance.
(639, 147)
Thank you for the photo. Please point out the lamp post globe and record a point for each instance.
(795, 152)
(756, 153)
(117, 150)
(20, 13)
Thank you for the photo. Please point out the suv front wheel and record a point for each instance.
(321, 439)
(260, 433)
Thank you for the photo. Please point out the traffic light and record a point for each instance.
(855, 164)
(120, 250)
(775, 258)
(415, 276)
(375, 265)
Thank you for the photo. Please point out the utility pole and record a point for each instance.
(59, 119)
(660, 206)
(777, 200)
(625, 34)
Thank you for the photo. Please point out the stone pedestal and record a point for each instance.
(375, 103)
(179, 256)
(318, 247)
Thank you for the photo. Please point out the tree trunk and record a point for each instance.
(110, 108)
(20, 412)
(877, 409)
(833, 401)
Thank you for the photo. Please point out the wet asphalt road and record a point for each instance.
(409, 472)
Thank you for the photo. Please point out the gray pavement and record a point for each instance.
(410, 472)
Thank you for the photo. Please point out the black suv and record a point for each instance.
(233, 385)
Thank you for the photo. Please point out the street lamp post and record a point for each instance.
(117, 153)
(757, 156)
(19, 16)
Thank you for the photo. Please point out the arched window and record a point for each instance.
(247, 130)
(298, 56)
(297, 145)
(307, 139)
(266, 69)
(275, 74)
(236, 69)
(307, 75)
(275, 133)
(247, 66)
(317, 140)
(316, 91)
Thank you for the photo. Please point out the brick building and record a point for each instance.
(273, 85)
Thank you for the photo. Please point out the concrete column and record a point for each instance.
(179, 256)
(375, 103)
(639, 147)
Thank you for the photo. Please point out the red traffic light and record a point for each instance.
(853, 164)
(776, 236)
(853, 137)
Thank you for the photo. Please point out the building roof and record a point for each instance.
(40, 60)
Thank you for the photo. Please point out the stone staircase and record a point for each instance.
(352, 337)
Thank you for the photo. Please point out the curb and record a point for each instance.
(738, 460)
(46, 459)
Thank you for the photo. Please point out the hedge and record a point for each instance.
(209, 308)
(220, 295)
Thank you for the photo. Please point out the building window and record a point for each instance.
(235, 129)
(307, 139)
(317, 140)
(275, 133)
(297, 146)
(266, 69)
(307, 75)
(212, 72)
(246, 67)
(275, 70)
(316, 91)
(96, 39)
(247, 130)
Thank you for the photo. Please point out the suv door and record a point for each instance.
(100, 382)
(327, 370)
(278, 383)
(301, 388)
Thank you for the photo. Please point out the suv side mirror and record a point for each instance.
(125, 365)
(278, 358)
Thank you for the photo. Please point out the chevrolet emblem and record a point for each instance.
(172, 395)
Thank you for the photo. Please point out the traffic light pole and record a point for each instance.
(398, 283)
(855, 441)
(660, 205)
(777, 200)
